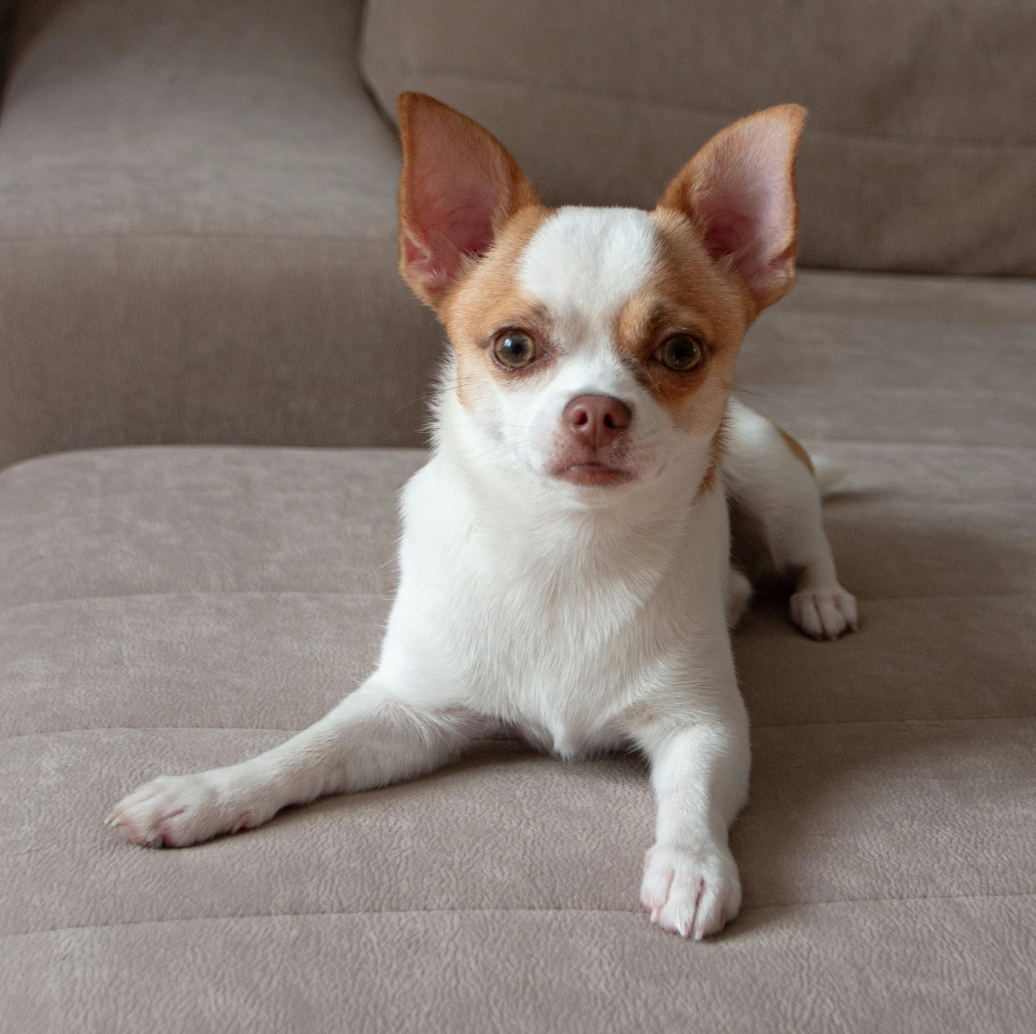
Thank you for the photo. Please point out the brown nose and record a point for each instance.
(596, 419)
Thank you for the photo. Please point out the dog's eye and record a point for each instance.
(514, 349)
(681, 353)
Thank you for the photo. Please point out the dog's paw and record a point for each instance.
(691, 892)
(824, 613)
(177, 811)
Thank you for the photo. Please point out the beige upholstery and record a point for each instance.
(163, 610)
(920, 152)
(197, 232)
(197, 222)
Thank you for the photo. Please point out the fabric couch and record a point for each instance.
(197, 257)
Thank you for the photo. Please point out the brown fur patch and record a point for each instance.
(488, 297)
(686, 293)
(796, 450)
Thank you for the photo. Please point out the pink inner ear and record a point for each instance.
(451, 218)
(727, 230)
(744, 203)
(466, 219)
(748, 212)
(419, 259)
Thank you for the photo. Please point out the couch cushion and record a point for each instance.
(919, 153)
(198, 232)
(163, 610)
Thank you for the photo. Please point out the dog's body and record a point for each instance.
(565, 561)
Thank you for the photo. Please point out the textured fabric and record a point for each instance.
(197, 232)
(165, 610)
(919, 154)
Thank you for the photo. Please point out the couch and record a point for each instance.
(213, 385)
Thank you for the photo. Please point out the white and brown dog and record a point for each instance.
(565, 560)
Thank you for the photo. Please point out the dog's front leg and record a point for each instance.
(372, 738)
(699, 771)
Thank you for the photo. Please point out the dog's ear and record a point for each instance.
(459, 187)
(739, 192)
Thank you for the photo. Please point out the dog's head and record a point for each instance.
(595, 347)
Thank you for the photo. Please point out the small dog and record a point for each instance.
(566, 555)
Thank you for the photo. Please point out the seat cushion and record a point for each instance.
(171, 609)
(918, 155)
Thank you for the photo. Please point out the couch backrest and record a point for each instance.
(920, 152)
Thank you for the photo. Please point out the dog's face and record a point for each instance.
(595, 347)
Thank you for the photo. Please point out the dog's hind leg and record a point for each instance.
(776, 502)
(371, 739)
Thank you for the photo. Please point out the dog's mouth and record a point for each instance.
(592, 475)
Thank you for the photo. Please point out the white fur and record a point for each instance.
(583, 264)
(783, 499)
(584, 620)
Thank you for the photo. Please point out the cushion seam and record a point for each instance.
(511, 911)
(292, 732)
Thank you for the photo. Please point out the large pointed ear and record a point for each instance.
(459, 187)
(739, 191)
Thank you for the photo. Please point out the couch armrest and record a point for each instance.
(197, 233)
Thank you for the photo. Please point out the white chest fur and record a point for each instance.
(557, 622)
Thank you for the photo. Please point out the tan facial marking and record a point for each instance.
(487, 297)
(685, 293)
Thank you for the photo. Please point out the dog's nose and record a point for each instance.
(596, 419)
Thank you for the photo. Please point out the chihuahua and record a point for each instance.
(565, 563)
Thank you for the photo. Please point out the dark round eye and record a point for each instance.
(681, 353)
(514, 349)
